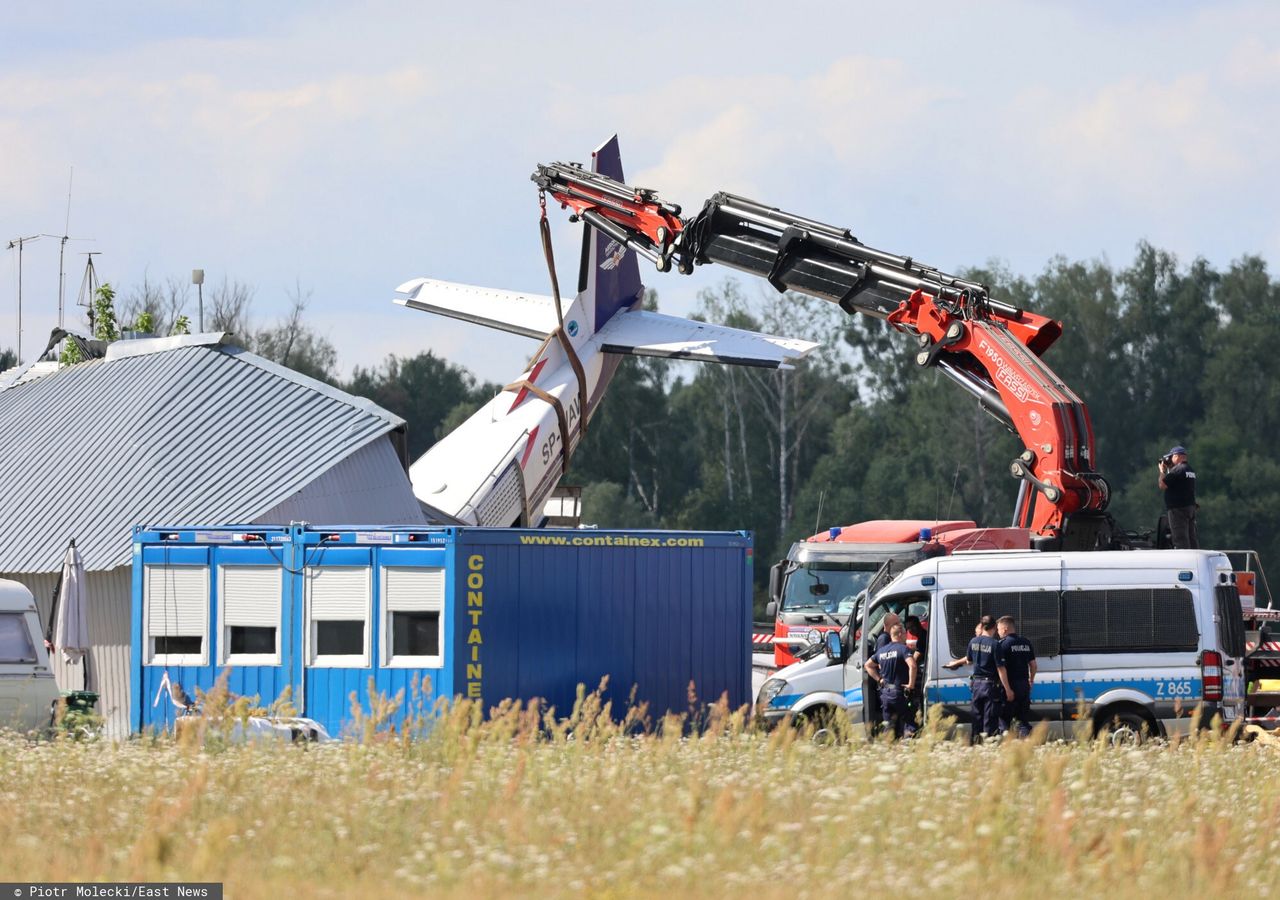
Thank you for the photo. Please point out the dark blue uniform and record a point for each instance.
(892, 661)
(1017, 654)
(1180, 503)
(985, 687)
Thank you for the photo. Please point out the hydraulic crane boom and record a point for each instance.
(989, 348)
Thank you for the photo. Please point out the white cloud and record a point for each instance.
(354, 148)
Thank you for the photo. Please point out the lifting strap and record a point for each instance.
(559, 334)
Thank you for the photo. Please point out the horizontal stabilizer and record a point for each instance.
(531, 315)
(633, 332)
(642, 333)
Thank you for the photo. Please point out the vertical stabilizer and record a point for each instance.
(613, 278)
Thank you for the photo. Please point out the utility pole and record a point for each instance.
(62, 272)
(20, 242)
(197, 278)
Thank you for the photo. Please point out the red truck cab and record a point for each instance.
(824, 578)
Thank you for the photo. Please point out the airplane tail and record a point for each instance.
(609, 278)
(608, 284)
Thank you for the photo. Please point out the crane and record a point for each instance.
(988, 347)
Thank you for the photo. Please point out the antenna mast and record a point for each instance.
(89, 287)
(62, 252)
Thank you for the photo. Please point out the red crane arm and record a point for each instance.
(988, 347)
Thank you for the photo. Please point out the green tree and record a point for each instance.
(104, 314)
(759, 431)
(423, 390)
(1233, 446)
(294, 343)
(606, 504)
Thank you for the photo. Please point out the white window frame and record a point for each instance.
(226, 657)
(8, 666)
(345, 660)
(174, 659)
(389, 659)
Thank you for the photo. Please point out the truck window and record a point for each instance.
(904, 605)
(15, 640)
(1230, 620)
(1036, 614)
(830, 587)
(1122, 620)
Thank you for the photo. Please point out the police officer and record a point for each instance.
(988, 678)
(1178, 481)
(893, 667)
(871, 701)
(885, 636)
(1019, 659)
(917, 641)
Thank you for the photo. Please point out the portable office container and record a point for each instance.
(486, 614)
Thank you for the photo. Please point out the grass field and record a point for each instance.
(514, 808)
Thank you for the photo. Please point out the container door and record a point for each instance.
(252, 634)
(338, 633)
(174, 632)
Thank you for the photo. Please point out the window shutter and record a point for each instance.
(177, 600)
(251, 596)
(406, 589)
(338, 593)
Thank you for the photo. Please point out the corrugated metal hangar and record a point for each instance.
(183, 430)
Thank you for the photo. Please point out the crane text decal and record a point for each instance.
(475, 612)
(1008, 375)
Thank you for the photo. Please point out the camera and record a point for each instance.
(1166, 460)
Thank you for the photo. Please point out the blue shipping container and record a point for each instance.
(488, 614)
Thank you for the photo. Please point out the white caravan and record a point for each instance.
(500, 466)
(28, 690)
(1126, 642)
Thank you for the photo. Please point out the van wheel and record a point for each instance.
(1124, 728)
(819, 724)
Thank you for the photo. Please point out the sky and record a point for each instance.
(347, 148)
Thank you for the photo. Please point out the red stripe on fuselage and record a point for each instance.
(528, 447)
(524, 392)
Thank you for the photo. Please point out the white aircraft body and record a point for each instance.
(499, 467)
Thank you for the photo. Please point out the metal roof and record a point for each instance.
(190, 432)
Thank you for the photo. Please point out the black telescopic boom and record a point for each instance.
(803, 255)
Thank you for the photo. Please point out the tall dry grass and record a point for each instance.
(531, 804)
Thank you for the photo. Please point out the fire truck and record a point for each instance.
(991, 349)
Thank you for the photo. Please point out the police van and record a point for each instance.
(27, 686)
(1129, 643)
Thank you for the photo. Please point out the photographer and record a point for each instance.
(1178, 482)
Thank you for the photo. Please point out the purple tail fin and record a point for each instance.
(611, 274)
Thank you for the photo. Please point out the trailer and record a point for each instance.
(330, 613)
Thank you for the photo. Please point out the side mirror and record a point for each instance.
(835, 649)
(771, 609)
(775, 581)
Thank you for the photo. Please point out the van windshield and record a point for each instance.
(829, 587)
